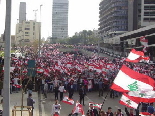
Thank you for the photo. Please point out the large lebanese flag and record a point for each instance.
(143, 96)
(128, 101)
(130, 80)
(134, 56)
(68, 101)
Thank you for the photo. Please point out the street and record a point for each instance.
(91, 97)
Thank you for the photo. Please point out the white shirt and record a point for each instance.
(56, 108)
(16, 81)
(61, 88)
(43, 81)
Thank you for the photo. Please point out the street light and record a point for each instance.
(40, 33)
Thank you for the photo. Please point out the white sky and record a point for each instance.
(83, 15)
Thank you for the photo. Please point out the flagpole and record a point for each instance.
(6, 85)
(107, 94)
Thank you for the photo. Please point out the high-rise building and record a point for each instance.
(141, 13)
(113, 17)
(22, 12)
(60, 19)
(28, 31)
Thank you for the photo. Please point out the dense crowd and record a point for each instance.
(74, 70)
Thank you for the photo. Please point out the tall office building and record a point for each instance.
(60, 19)
(113, 17)
(141, 13)
(22, 12)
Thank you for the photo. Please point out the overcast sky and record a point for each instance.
(83, 14)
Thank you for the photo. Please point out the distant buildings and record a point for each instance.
(28, 31)
(113, 17)
(2, 40)
(22, 12)
(60, 19)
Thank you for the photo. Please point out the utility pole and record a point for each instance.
(6, 81)
(40, 33)
(98, 47)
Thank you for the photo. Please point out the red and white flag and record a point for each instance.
(143, 96)
(144, 42)
(96, 105)
(128, 101)
(68, 101)
(134, 56)
(130, 80)
(40, 70)
(78, 109)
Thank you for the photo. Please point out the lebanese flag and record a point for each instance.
(143, 41)
(68, 101)
(128, 101)
(96, 105)
(143, 96)
(78, 109)
(130, 80)
(134, 56)
(40, 70)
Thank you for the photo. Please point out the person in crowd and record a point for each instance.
(119, 113)
(15, 82)
(42, 84)
(24, 84)
(131, 113)
(151, 109)
(102, 113)
(61, 90)
(82, 93)
(30, 87)
(92, 111)
(90, 85)
(109, 112)
(56, 91)
(71, 89)
(45, 89)
(100, 84)
(56, 109)
(144, 107)
(30, 102)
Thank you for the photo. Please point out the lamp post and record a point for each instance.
(40, 33)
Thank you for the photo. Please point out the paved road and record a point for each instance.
(91, 97)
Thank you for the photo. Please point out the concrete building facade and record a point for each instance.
(113, 17)
(22, 12)
(28, 31)
(60, 19)
(141, 13)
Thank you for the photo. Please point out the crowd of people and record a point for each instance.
(57, 71)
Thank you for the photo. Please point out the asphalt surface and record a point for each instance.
(91, 97)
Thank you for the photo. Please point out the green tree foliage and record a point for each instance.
(84, 37)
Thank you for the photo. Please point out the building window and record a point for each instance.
(27, 22)
(26, 32)
(26, 35)
(33, 27)
(27, 28)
